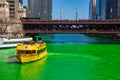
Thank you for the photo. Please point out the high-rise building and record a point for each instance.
(105, 9)
(111, 9)
(40, 9)
(118, 9)
(92, 9)
(13, 6)
(98, 9)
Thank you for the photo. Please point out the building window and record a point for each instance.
(3, 5)
(11, 5)
(12, 9)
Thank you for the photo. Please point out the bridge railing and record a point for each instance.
(39, 21)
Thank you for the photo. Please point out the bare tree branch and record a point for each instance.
(4, 23)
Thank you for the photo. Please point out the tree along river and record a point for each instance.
(70, 57)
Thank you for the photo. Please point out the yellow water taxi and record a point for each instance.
(30, 51)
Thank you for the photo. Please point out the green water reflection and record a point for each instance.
(65, 62)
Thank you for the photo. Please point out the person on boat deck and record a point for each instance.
(40, 40)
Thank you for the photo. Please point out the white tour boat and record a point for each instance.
(8, 43)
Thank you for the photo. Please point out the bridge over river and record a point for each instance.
(35, 26)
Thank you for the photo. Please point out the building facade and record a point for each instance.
(4, 16)
(111, 9)
(118, 9)
(21, 1)
(92, 11)
(40, 9)
(98, 8)
(13, 6)
(4, 9)
(16, 8)
(10, 13)
(21, 11)
(105, 9)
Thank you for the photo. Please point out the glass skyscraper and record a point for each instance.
(98, 9)
(92, 9)
(40, 9)
(106, 9)
(103, 9)
(118, 9)
(111, 9)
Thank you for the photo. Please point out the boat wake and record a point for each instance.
(87, 56)
(12, 60)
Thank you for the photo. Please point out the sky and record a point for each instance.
(67, 8)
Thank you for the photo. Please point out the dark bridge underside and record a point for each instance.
(35, 26)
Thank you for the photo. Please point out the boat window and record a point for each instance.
(33, 51)
(40, 51)
(29, 42)
(20, 52)
(26, 52)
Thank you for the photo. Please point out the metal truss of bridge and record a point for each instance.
(34, 26)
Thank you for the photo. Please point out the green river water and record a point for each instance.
(70, 57)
